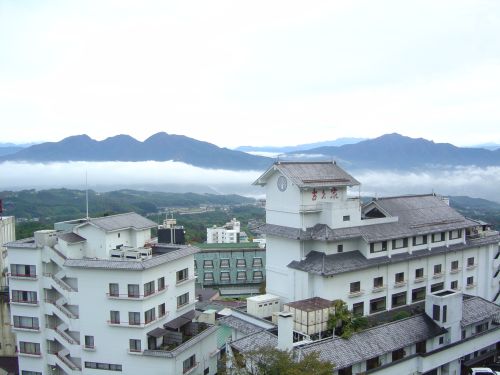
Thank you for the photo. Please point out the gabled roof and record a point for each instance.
(129, 220)
(71, 237)
(310, 304)
(418, 210)
(476, 309)
(310, 174)
(375, 341)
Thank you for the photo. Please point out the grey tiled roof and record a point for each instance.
(417, 215)
(375, 341)
(240, 325)
(24, 243)
(255, 341)
(318, 263)
(71, 237)
(122, 221)
(136, 265)
(477, 309)
(311, 174)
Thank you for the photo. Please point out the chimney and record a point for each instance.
(285, 330)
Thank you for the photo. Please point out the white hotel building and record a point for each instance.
(97, 295)
(385, 254)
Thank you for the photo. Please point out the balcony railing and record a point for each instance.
(136, 297)
(22, 276)
(420, 279)
(400, 284)
(454, 270)
(378, 288)
(356, 293)
(437, 275)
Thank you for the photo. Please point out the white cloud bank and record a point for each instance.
(175, 176)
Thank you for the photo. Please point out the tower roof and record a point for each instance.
(310, 174)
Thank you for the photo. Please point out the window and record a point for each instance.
(149, 316)
(419, 273)
(372, 363)
(400, 243)
(134, 345)
(437, 286)
(399, 277)
(257, 262)
(441, 340)
(257, 275)
(89, 342)
(454, 265)
(398, 354)
(114, 317)
(470, 281)
(240, 263)
(377, 305)
(189, 363)
(418, 294)
(438, 237)
(208, 263)
(454, 234)
(421, 347)
(378, 282)
(103, 366)
(134, 318)
(114, 290)
(161, 283)
(208, 276)
(183, 275)
(445, 313)
(454, 285)
(149, 288)
(376, 247)
(195, 265)
(398, 299)
(133, 290)
(118, 235)
(419, 240)
(29, 347)
(23, 296)
(340, 248)
(24, 372)
(224, 263)
(23, 270)
(437, 269)
(470, 262)
(346, 218)
(355, 287)
(436, 311)
(345, 371)
(224, 276)
(464, 334)
(161, 310)
(183, 299)
(26, 322)
(358, 309)
(206, 371)
(241, 275)
(481, 327)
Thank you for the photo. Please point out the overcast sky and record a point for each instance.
(250, 72)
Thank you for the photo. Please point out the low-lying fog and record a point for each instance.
(180, 177)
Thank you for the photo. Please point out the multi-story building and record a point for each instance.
(228, 233)
(453, 333)
(96, 294)
(234, 269)
(323, 242)
(7, 337)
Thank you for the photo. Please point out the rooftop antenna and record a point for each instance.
(87, 193)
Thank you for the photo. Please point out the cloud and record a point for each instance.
(180, 177)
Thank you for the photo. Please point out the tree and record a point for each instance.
(343, 322)
(272, 361)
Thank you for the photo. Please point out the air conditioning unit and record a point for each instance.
(132, 255)
(146, 252)
(116, 254)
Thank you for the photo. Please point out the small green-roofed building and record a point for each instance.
(233, 268)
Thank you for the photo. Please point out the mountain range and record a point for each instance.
(158, 147)
(305, 146)
(390, 151)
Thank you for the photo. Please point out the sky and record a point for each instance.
(250, 72)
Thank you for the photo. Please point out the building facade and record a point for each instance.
(234, 269)
(323, 242)
(98, 294)
(7, 337)
(228, 233)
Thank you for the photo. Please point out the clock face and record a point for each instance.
(282, 183)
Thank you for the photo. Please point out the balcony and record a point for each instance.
(310, 208)
(123, 324)
(400, 284)
(420, 279)
(379, 288)
(470, 286)
(25, 328)
(136, 297)
(185, 281)
(356, 293)
(437, 275)
(24, 302)
(20, 276)
(454, 270)
(471, 266)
